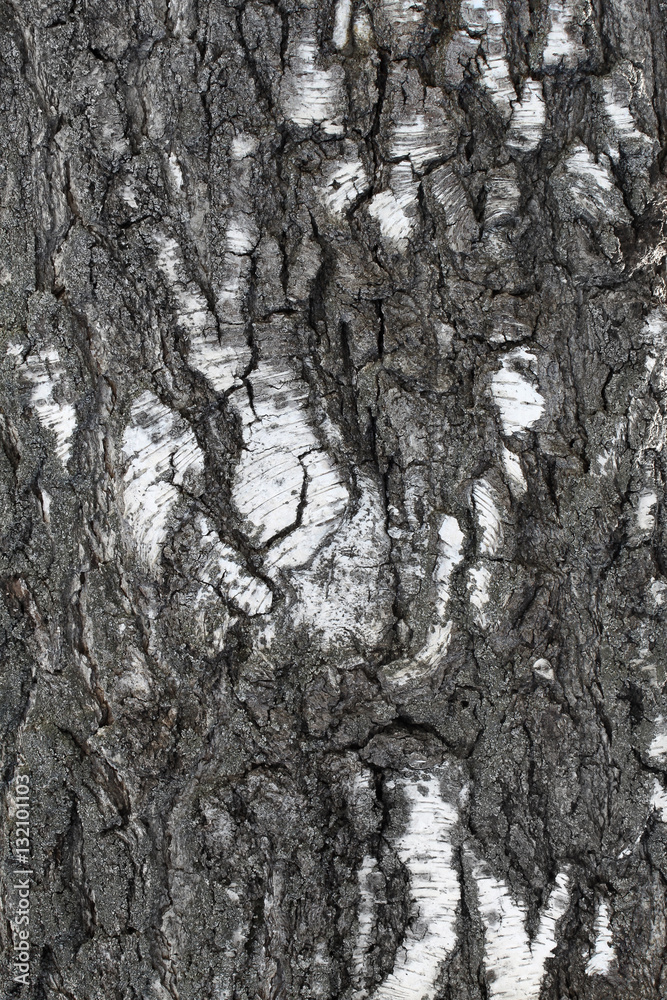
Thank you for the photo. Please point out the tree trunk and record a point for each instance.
(333, 412)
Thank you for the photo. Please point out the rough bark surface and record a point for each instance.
(333, 375)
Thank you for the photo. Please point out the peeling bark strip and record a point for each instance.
(333, 428)
(603, 956)
(425, 849)
(43, 371)
(515, 965)
(160, 453)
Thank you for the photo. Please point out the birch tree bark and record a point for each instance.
(333, 417)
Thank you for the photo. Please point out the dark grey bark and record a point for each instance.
(334, 374)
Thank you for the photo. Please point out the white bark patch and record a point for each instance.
(363, 31)
(451, 195)
(516, 964)
(658, 589)
(406, 672)
(444, 334)
(43, 370)
(404, 12)
(240, 240)
(394, 209)
(624, 85)
(603, 956)
(474, 17)
(431, 652)
(220, 568)
(175, 171)
(367, 876)
(606, 463)
(420, 140)
(561, 47)
(287, 485)
(450, 553)
(243, 146)
(312, 95)
(488, 518)
(495, 75)
(405, 186)
(659, 800)
(161, 450)
(583, 165)
(192, 308)
(45, 500)
(394, 223)
(645, 516)
(617, 108)
(607, 460)
(221, 364)
(658, 747)
(426, 850)
(326, 501)
(478, 584)
(129, 196)
(528, 117)
(340, 594)
(344, 184)
(341, 30)
(543, 669)
(514, 472)
(592, 185)
(281, 462)
(486, 19)
(502, 201)
(520, 404)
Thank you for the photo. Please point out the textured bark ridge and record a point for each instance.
(333, 414)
